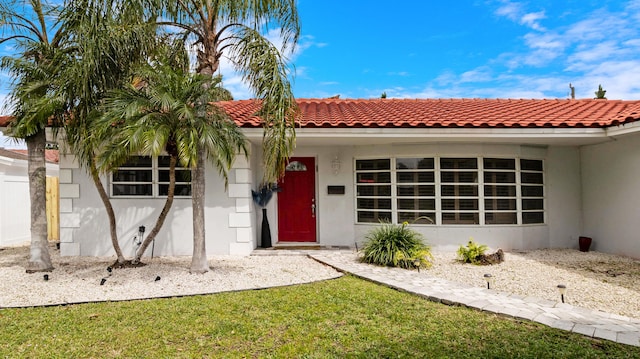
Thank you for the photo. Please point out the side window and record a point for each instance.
(532, 191)
(373, 190)
(134, 178)
(459, 190)
(144, 176)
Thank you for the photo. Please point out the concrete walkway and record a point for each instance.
(583, 321)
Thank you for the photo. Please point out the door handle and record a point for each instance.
(313, 210)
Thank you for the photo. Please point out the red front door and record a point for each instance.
(297, 201)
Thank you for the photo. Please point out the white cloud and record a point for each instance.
(481, 74)
(600, 48)
(509, 10)
(532, 20)
(516, 12)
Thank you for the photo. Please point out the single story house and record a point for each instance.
(512, 174)
(15, 205)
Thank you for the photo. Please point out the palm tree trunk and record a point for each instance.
(39, 258)
(110, 213)
(163, 214)
(199, 259)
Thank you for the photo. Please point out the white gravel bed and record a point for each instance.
(76, 280)
(594, 280)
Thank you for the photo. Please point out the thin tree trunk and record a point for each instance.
(199, 259)
(110, 213)
(163, 214)
(39, 258)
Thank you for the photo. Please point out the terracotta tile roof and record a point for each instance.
(4, 120)
(51, 156)
(505, 113)
(331, 113)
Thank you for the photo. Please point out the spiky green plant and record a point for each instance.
(396, 245)
(472, 252)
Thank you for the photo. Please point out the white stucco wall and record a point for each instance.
(233, 221)
(15, 209)
(611, 195)
(336, 213)
(15, 202)
(85, 227)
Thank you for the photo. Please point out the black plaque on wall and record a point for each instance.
(335, 189)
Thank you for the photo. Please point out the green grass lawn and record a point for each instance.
(345, 317)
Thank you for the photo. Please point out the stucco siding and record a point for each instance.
(611, 195)
(337, 224)
(15, 201)
(89, 235)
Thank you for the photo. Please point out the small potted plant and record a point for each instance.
(262, 197)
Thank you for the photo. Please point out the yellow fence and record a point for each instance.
(53, 209)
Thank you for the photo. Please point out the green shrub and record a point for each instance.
(472, 252)
(396, 245)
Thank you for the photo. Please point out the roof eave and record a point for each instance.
(372, 136)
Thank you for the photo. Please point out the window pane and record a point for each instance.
(460, 218)
(374, 177)
(417, 217)
(416, 191)
(417, 204)
(414, 163)
(501, 218)
(416, 177)
(163, 161)
(459, 191)
(132, 190)
(132, 176)
(532, 191)
(532, 217)
(528, 177)
(138, 161)
(500, 177)
(373, 217)
(499, 163)
(458, 163)
(181, 176)
(499, 204)
(460, 177)
(180, 190)
(459, 204)
(369, 165)
(532, 204)
(374, 191)
(500, 191)
(531, 165)
(374, 203)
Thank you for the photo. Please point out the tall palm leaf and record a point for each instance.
(34, 72)
(164, 113)
(109, 38)
(233, 28)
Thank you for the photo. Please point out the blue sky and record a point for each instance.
(467, 48)
(461, 49)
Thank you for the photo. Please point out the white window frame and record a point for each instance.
(480, 183)
(155, 181)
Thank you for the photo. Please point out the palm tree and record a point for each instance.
(109, 38)
(34, 73)
(168, 110)
(232, 28)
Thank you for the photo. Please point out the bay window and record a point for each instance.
(450, 190)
